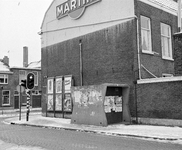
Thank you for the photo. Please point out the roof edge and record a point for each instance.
(24, 68)
(6, 72)
(46, 13)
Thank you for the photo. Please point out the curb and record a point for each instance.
(99, 132)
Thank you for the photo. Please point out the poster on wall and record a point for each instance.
(59, 102)
(67, 102)
(50, 86)
(58, 105)
(50, 102)
(118, 103)
(58, 84)
(113, 103)
(67, 84)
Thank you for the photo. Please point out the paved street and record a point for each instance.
(35, 138)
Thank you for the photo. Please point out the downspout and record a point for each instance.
(81, 65)
(139, 68)
(138, 50)
(179, 15)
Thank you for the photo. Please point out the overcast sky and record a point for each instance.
(20, 22)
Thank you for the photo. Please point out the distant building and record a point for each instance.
(36, 64)
(5, 83)
(10, 78)
(20, 73)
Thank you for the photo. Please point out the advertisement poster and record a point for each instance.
(58, 102)
(50, 86)
(118, 103)
(67, 102)
(113, 103)
(50, 102)
(67, 84)
(59, 85)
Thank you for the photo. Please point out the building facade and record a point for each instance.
(103, 41)
(20, 73)
(10, 78)
(5, 83)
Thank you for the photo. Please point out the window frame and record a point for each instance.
(169, 39)
(149, 33)
(5, 77)
(36, 77)
(3, 98)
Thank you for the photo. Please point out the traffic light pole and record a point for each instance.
(20, 103)
(28, 103)
(29, 85)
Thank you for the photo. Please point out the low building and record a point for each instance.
(20, 73)
(104, 41)
(10, 79)
(5, 84)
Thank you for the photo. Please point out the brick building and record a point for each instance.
(20, 73)
(10, 78)
(5, 83)
(103, 41)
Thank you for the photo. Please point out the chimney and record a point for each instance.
(6, 60)
(25, 56)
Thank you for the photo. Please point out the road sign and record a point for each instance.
(20, 88)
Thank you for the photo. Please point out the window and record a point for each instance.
(3, 79)
(6, 97)
(166, 41)
(36, 78)
(146, 35)
(16, 93)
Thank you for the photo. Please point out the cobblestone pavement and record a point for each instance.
(10, 146)
(36, 138)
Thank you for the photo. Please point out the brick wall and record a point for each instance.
(154, 62)
(178, 54)
(160, 100)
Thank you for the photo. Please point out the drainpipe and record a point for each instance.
(179, 15)
(139, 68)
(81, 65)
(138, 50)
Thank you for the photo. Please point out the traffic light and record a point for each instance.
(30, 80)
(23, 83)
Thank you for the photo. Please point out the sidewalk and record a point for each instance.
(148, 132)
(16, 112)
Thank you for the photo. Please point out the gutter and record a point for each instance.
(6, 72)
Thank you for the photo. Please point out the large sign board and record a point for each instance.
(73, 8)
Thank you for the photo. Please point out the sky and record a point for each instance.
(20, 22)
